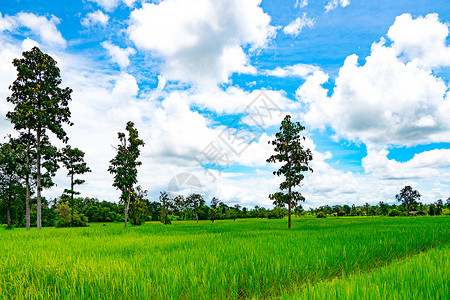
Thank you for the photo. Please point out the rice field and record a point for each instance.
(245, 259)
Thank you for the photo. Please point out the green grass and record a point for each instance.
(423, 276)
(226, 259)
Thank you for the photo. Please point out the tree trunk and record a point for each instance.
(196, 216)
(127, 205)
(27, 184)
(71, 188)
(27, 203)
(38, 184)
(8, 215)
(289, 208)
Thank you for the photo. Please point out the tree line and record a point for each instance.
(29, 161)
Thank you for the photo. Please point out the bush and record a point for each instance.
(321, 215)
(341, 213)
(394, 213)
(67, 219)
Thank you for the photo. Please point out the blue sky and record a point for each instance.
(368, 79)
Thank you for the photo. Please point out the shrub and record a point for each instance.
(67, 219)
(341, 213)
(321, 215)
(394, 213)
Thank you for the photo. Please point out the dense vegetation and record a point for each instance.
(225, 259)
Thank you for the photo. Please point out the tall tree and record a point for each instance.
(195, 201)
(40, 105)
(408, 197)
(290, 151)
(73, 161)
(124, 164)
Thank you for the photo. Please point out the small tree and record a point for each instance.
(291, 152)
(408, 197)
(73, 160)
(195, 201)
(40, 105)
(213, 212)
(139, 210)
(124, 164)
(10, 187)
(166, 206)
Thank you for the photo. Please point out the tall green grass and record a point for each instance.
(423, 276)
(223, 260)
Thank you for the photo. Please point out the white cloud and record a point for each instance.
(119, 55)
(39, 25)
(111, 5)
(386, 101)
(295, 27)
(298, 70)
(213, 34)
(426, 165)
(421, 40)
(300, 3)
(94, 18)
(333, 4)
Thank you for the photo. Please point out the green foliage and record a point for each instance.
(408, 197)
(195, 202)
(166, 207)
(40, 105)
(290, 151)
(67, 218)
(394, 213)
(124, 164)
(139, 210)
(321, 215)
(278, 213)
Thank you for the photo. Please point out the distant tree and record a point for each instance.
(384, 208)
(124, 164)
(213, 212)
(195, 201)
(291, 152)
(73, 161)
(439, 206)
(408, 197)
(40, 105)
(298, 210)
(180, 206)
(432, 210)
(10, 187)
(166, 206)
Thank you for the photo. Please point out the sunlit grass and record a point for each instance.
(423, 276)
(224, 259)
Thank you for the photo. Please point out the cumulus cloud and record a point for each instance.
(213, 36)
(94, 18)
(388, 100)
(44, 28)
(295, 27)
(421, 40)
(119, 55)
(333, 4)
(424, 166)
